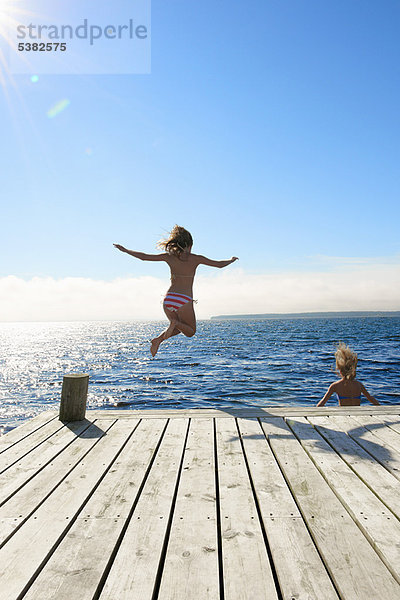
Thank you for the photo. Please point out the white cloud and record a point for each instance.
(366, 287)
(75, 298)
(372, 288)
(322, 261)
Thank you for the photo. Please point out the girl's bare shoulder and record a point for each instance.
(199, 259)
(195, 257)
(336, 383)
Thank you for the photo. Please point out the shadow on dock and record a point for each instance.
(355, 441)
(92, 430)
(370, 449)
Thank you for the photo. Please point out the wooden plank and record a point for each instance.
(48, 524)
(191, 563)
(246, 568)
(126, 475)
(379, 428)
(392, 422)
(367, 440)
(379, 526)
(82, 557)
(300, 571)
(354, 566)
(374, 475)
(19, 473)
(260, 411)
(134, 570)
(17, 434)
(274, 497)
(25, 501)
(30, 443)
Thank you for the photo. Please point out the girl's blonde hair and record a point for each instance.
(179, 239)
(346, 361)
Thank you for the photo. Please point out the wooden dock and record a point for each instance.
(275, 503)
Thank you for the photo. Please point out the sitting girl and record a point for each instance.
(178, 302)
(348, 389)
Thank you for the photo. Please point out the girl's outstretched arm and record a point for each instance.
(203, 260)
(142, 255)
(368, 396)
(328, 394)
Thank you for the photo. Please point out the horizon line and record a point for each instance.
(315, 314)
(310, 314)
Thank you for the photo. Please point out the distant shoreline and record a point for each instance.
(313, 315)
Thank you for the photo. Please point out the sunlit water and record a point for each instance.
(238, 363)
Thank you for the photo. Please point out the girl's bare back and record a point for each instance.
(348, 392)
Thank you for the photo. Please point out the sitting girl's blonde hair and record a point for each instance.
(346, 361)
(179, 239)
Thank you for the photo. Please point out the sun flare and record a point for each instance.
(11, 14)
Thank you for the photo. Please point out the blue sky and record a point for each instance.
(269, 129)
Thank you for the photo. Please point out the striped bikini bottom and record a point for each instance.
(174, 301)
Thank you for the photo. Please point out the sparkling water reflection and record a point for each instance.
(228, 363)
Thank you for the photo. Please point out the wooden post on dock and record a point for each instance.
(73, 397)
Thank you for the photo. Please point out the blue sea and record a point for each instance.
(228, 363)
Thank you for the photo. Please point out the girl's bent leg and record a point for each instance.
(155, 343)
(185, 329)
(168, 332)
(186, 322)
(165, 335)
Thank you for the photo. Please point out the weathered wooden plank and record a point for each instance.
(379, 428)
(300, 571)
(373, 474)
(379, 526)
(370, 442)
(81, 559)
(25, 501)
(354, 566)
(191, 563)
(17, 434)
(117, 491)
(392, 422)
(246, 568)
(134, 570)
(29, 444)
(261, 411)
(49, 523)
(20, 472)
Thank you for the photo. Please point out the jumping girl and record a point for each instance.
(178, 302)
(348, 389)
